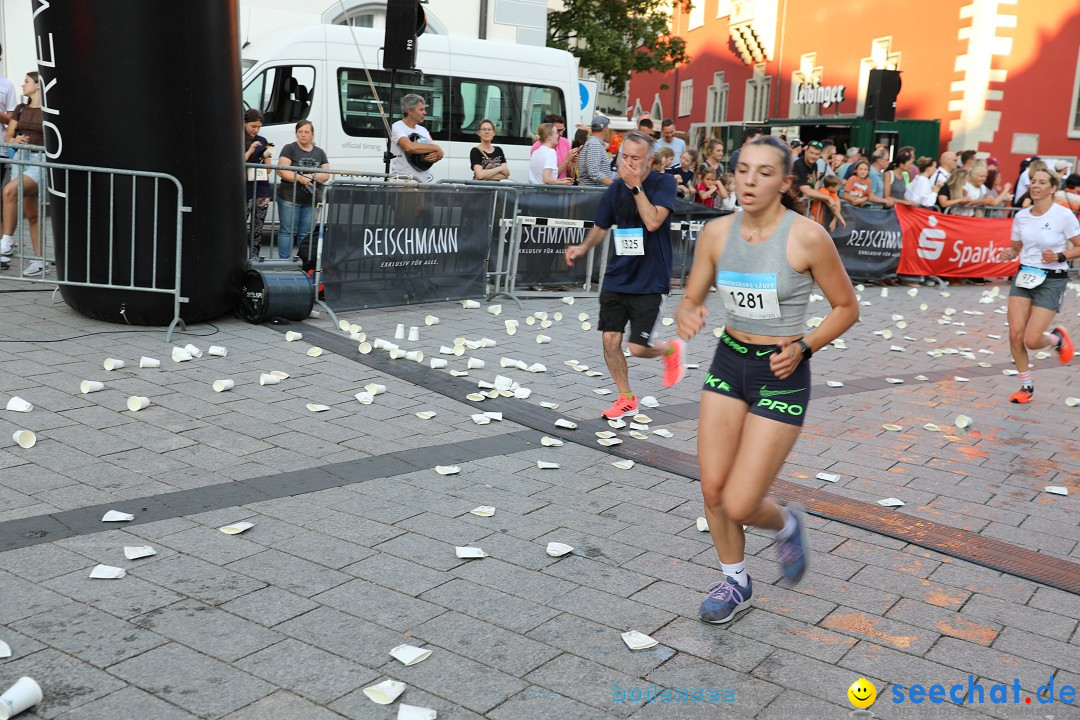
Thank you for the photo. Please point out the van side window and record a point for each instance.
(283, 93)
(360, 111)
(516, 108)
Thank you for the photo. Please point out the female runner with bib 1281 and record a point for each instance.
(1041, 236)
(764, 261)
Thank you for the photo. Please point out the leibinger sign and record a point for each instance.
(824, 95)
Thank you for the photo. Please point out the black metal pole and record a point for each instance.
(388, 156)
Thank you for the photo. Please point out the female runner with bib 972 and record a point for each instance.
(764, 261)
(1041, 235)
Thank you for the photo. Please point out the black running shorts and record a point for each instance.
(641, 311)
(742, 371)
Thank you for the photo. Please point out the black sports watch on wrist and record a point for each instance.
(807, 353)
(1062, 258)
(636, 190)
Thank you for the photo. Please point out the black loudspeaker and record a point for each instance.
(405, 21)
(881, 91)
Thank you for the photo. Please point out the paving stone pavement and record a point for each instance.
(351, 552)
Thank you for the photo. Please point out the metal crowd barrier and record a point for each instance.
(57, 179)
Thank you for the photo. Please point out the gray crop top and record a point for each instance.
(762, 293)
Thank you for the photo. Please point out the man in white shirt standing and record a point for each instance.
(669, 140)
(946, 165)
(410, 142)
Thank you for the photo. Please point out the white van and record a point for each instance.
(315, 73)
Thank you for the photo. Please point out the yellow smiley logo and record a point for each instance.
(862, 693)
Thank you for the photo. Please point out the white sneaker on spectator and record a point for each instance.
(7, 247)
(34, 268)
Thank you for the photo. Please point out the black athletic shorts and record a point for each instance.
(641, 311)
(742, 371)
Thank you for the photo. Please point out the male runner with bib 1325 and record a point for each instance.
(638, 275)
(764, 261)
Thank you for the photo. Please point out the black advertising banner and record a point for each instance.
(692, 217)
(869, 245)
(387, 245)
(542, 260)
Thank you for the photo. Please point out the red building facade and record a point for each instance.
(1002, 76)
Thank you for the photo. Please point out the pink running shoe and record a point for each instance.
(674, 365)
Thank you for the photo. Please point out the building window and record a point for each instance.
(723, 8)
(717, 101)
(881, 57)
(686, 97)
(1074, 115)
(697, 15)
(808, 74)
(758, 89)
(657, 111)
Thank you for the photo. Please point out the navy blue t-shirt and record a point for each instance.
(639, 274)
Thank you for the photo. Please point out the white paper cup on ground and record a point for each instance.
(364, 348)
(20, 697)
(415, 712)
(962, 421)
(217, 351)
(24, 438)
(475, 364)
(293, 336)
(17, 404)
(437, 363)
(495, 309)
(223, 385)
(431, 320)
(179, 354)
(557, 549)
(415, 356)
(314, 351)
(365, 398)
(268, 379)
(89, 386)
(470, 304)
(543, 339)
(638, 641)
(397, 354)
(106, 572)
(134, 552)
(409, 654)
(414, 334)
(375, 388)
(236, 528)
(702, 524)
(568, 300)
(149, 362)
(399, 332)
(136, 403)
(469, 553)
(117, 516)
(343, 325)
(385, 692)
(193, 351)
(113, 364)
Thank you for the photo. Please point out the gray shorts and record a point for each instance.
(1048, 294)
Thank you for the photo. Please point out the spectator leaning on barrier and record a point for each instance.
(951, 194)
(488, 161)
(831, 187)
(749, 135)
(684, 173)
(896, 177)
(259, 191)
(808, 177)
(853, 155)
(544, 164)
(706, 184)
(946, 165)
(410, 142)
(25, 128)
(594, 163)
(564, 151)
(857, 187)
(878, 198)
(921, 191)
(638, 276)
(300, 190)
(668, 139)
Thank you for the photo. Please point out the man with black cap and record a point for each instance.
(594, 163)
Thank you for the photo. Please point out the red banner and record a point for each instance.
(953, 245)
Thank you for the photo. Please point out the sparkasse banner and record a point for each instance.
(953, 245)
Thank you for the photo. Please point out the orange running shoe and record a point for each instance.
(1065, 349)
(674, 367)
(622, 406)
(1023, 395)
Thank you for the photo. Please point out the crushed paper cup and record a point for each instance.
(557, 549)
(643, 419)
(834, 383)
(638, 641)
(544, 465)
(472, 344)
(314, 351)
(364, 348)
(566, 424)
(536, 368)
(702, 524)
(550, 406)
(494, 415)
(617, 423)
(223, 385)
(425, 414)
(470, 305)
(459, 373)
(586, 325)
(431, 320)
(89, 386)
(650, 402)
(466, 553)
(931, 427)
(922, 378)
(446, 350)
(113, 364)
(149, 362)
(623, 464)
(522, 393)
(663, 433)
(437, 363)
(107, 572)
(475, 364)
(894, 381)
(17, 404)
(483, 511)
(193, 351)
(117, 516)
(959, 378)
(962, 421)
(891, 502)
(447, 469)
(892, 428)
(5, 650)
(637, 435)
(268, 379)
(134, 552)
(414, 334)
(601, 391)
(364, 398)
(136, 403)
(495, 309)
(897, 348)
(25, 439)
(475, 397)
(409, 654)
(550, 442)
(315, 407)
(293, 336)
(912, 292)
(480, 419)
(540, 315)
(605, 434)
(609, 442)
(1072, 401)
(415, 356)
(1056, 490)
(485, 385)
(179, 355)
(236, 528)
(639, 426)
(1010, 371)
(387, 691)
(828, 477)
(399, 332)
